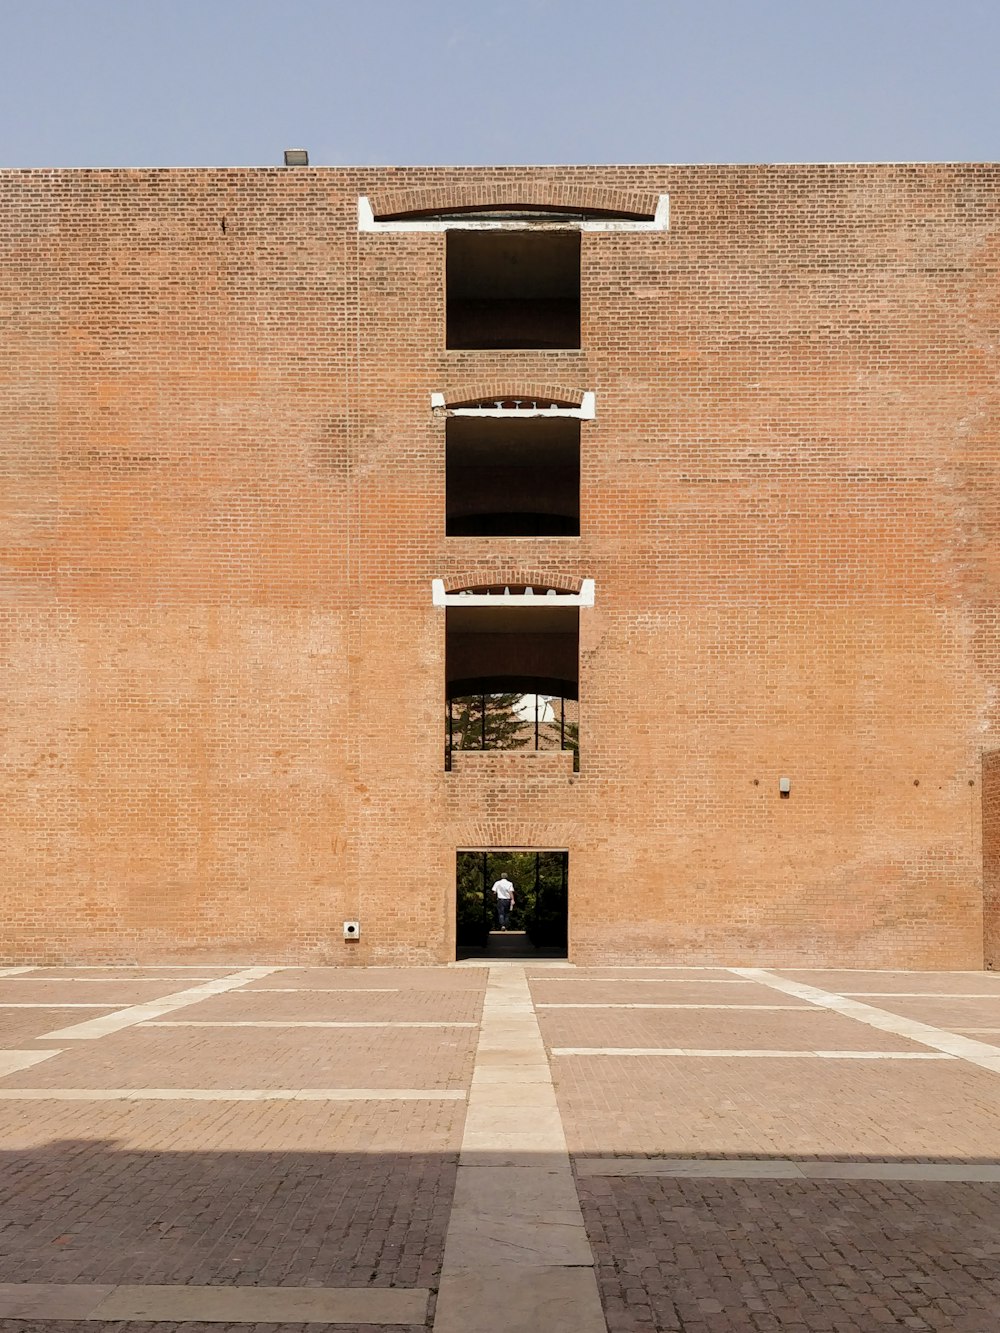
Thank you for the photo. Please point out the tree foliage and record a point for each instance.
(487, 722)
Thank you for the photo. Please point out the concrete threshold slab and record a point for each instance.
(788, 1169)
(526, 1300)
(179, 1304)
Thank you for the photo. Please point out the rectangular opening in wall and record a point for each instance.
(512, 680)
(510, 289)
(508, 477)
(529, 923)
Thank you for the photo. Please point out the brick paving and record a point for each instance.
(14, 990)
(716, 1107)
(650, 990)
(365, 1215)
(426, 1006)
(159, 1056)
(845, 981)
(25, 1025)
(699, 1256)
(942, 1011)
(707, 1029)
(131, 1326)
(359, 1193)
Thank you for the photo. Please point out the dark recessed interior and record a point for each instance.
(511, 477)
(512, 649)
(510, 289)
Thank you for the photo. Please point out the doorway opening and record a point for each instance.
(538, 918)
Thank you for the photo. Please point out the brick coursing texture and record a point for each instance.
(462, 395)
(223, 506)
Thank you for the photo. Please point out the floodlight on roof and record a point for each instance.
(296, 157)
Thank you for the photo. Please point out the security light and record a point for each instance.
(296, 157)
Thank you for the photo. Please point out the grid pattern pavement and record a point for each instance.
(297, 1195)
(682, 1251)
(358, 1194)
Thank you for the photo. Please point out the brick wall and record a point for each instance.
(223, 506)
(991, 858)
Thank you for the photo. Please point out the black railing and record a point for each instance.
(512, 722)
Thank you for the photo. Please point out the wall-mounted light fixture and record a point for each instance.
(296, 157)
(784, 787)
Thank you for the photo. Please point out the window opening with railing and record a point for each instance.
(512, 721)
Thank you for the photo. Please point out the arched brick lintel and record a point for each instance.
(400, 204)
(513, 576)
(493, 390)
(503, 834)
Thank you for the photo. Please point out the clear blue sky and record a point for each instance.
(233, 82)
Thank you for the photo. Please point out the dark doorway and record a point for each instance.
(510, 289)
(512, 477)
(537, 925)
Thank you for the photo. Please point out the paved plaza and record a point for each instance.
(503, 1148)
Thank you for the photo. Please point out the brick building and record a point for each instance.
(704, 457)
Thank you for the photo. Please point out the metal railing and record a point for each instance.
(512, 722)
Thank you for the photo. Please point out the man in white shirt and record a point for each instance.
(504, 892)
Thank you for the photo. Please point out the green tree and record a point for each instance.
(487, 722)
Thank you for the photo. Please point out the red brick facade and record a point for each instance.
(223, 507)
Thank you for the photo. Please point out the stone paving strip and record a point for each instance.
(132, 978)
(14, 971)
(301, 1023)
(596, 973)
(141, 1013)
(517, 1258)
(12, 1062)
(786, 1169)
(652, 981)
(51, 1004)
(740, 1054)
(781, 1008)
(325, 990)
(920, 995)
(230, 1094)
(961, 1048)
(184, 1304)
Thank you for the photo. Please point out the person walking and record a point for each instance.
(503, 891)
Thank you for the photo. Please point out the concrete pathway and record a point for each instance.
(516, 1254)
